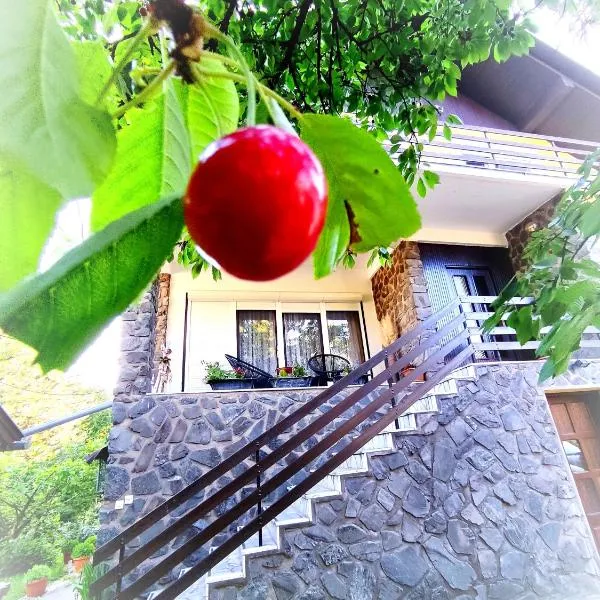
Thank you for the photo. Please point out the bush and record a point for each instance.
(84, 548)
(37, 572)
(22, 553)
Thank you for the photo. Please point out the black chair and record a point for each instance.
(261, 378)
(328, 367)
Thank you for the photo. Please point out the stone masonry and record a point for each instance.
(400, 293)
(162, 310)
(137, 348)
(519, 235)
(479, 503)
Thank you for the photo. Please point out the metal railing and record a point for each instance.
(367, 411)
(508, 151)
(502, 338)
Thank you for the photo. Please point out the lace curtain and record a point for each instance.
(345, 338)
(302, 337)
(257, 338)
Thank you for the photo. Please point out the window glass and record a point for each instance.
(302, 337)
(575, 456)
(345, 338)
(257, 338)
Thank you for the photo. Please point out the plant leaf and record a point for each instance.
(334, 239)
(45, 124)
(153, 160)
(93, 68)
(23, 232)
(60, 311)
(360, 172)
(213, 108)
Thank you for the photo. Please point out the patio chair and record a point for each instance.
(328, 367)
(261, 378)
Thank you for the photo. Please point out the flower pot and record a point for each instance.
(79, 563)
(37, 588)
(66, 557)
(232, 384)
(408, 370)
(292, 382)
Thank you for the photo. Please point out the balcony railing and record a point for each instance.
(506, 151)
(502, 339)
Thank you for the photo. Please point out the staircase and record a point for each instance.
(280, 487)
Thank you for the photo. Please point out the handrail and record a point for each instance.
(391, 373)
(248, 450)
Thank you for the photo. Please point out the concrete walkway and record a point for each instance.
(60, 590)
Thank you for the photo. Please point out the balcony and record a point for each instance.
(513, 152)
(490, 180)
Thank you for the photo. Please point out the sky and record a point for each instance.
(560, 33)
(98, 366)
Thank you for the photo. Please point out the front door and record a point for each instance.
(576, 419)
(473, 282)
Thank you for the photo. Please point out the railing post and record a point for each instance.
(390, 381)
(259, 493)
(120, 578)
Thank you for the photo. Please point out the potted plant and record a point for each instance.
(82, 553)
(223, 379)
(66, 547)
(36, 581)
(298, 377)
(88, 576)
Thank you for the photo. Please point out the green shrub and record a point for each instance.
(84, 548)
(37, 572)
(20, 554)
(89, 574)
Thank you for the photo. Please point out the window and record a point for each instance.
(257, 338)
(302, 337)
(345, 339)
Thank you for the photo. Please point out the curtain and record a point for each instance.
(302, 337)
(345, 338)
(257, 339)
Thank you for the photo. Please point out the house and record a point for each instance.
(474, 483)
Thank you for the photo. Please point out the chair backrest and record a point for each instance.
(249, 370)
(328, 363)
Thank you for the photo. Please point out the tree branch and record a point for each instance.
(293, 41)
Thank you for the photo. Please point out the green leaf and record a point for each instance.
(60, 311)
(360, 172)
(213, 108)
(23, 233)
(431, 178)
(421, 188)
(45, 124)
(334, 239)
(153, 160)
(93, 68)
(447, 132)
(548, 370)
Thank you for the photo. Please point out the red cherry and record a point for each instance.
(256, 202)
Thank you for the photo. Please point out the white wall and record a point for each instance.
(211, 319)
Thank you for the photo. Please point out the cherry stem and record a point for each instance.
(142, 34)
(148, 91)
(216, 33)
(262, 88)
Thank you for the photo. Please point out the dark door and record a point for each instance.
(474, 282)
(579, 435)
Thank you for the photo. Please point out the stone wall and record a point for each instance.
(479, 505)
(137, 349)
(519, 235)
(162, 309)
(400, 292)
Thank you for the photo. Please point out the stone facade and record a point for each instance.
(519, 235)
(137, 349)
(400, 293)
(479, 505)
(162, 309)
